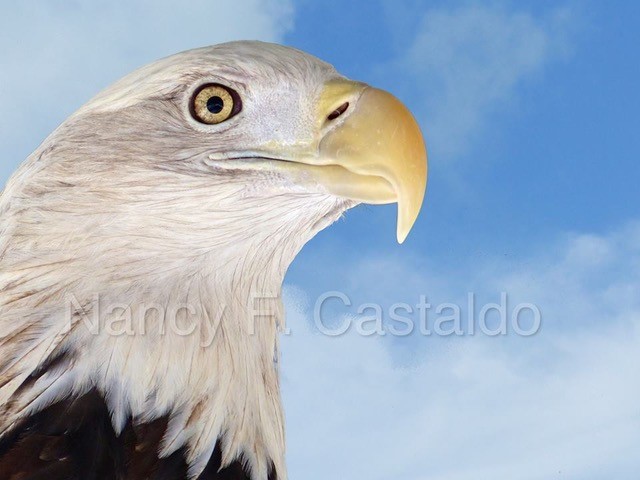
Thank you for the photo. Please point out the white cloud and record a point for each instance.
(470, 61)
(560, 404)
(57, 55)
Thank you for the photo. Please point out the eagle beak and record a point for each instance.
(377, 151)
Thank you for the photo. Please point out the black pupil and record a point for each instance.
(215, 104)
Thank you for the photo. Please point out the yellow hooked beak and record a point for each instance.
(378, 151)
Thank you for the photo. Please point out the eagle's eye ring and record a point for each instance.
(214, 103)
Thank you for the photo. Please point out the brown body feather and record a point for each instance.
(75, 440)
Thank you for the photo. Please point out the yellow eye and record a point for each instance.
(214, 104)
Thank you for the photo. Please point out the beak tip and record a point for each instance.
(408, 211)
(401, 235)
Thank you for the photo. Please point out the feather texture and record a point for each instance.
(75, 440)
(140, 286)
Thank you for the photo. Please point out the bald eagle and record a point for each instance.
(143, 247)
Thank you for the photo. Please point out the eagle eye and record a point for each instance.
(213, 104)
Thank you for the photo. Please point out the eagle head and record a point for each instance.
(144, 243)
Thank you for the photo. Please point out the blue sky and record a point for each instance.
(530, 110)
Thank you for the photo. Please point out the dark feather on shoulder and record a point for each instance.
(74, 440)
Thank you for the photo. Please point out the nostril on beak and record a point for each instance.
(338, 111)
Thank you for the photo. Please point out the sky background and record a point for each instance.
(530, 111)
